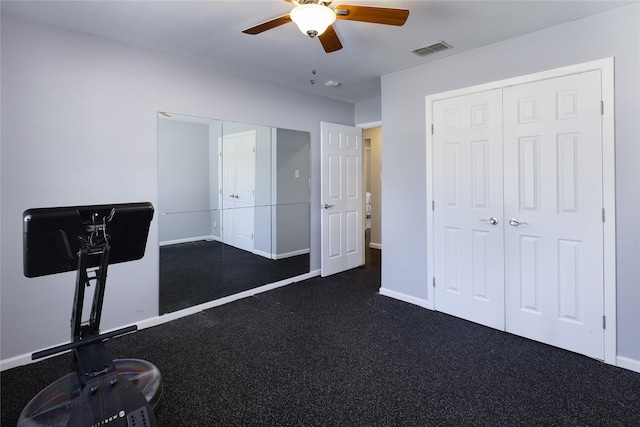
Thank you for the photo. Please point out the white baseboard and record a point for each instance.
(291, 254)
(262, 253)
(281, 256)
(158, 320)
(406, 298)
(15, 361)
(25, 359)
(628, 363)
(375, 245)
(189, 240)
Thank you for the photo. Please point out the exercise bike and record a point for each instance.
(100, 391)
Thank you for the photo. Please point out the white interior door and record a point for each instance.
(238, 189)
(467, 176)
(553, 209)
(342, 203)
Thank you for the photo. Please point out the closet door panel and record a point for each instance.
(468, 233)
(553, 212)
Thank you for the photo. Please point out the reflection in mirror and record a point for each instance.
(234, 208)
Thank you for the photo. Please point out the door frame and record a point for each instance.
(606, 66)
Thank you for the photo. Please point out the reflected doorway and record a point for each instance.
(238, 182)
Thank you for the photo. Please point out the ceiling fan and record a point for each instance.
(315, 18)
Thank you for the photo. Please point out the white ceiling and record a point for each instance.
(210, 32)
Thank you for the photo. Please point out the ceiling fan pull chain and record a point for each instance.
(313, 62)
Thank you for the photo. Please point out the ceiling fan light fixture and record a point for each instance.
(312, 19)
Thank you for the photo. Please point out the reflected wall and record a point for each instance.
(233, 208)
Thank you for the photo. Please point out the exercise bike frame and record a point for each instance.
(106, 394)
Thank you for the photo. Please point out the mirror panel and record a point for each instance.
(190, 274)
(291, 240)
(233, 205)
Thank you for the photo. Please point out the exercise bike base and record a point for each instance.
(55, 404)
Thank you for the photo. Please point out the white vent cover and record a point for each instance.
(432, 48)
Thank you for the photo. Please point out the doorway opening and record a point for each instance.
(372, 183)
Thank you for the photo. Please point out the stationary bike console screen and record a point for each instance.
(53, 236)
(101, 391)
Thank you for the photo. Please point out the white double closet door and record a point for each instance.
(518, 227)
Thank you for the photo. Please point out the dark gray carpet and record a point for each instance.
(332, 352)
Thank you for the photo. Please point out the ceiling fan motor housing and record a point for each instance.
(313, 19)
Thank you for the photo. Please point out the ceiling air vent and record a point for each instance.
(432, 48)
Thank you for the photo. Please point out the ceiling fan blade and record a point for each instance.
(268, 25)
(330, 41)
(376, 15)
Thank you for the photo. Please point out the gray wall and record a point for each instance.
(291, 215)
(614, 33)
(80, 126)
(183, 179)
(292, 154)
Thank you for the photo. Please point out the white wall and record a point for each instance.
(79, 126)
(368, 111)
(611, 34)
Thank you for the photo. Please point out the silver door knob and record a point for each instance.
(493, 220)
(327, 206)
(514, 222)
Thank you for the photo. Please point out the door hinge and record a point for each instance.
(602, 108)
(434, 282)
(431, 129)
(602, 214)
(604, 322)
(433, 205)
